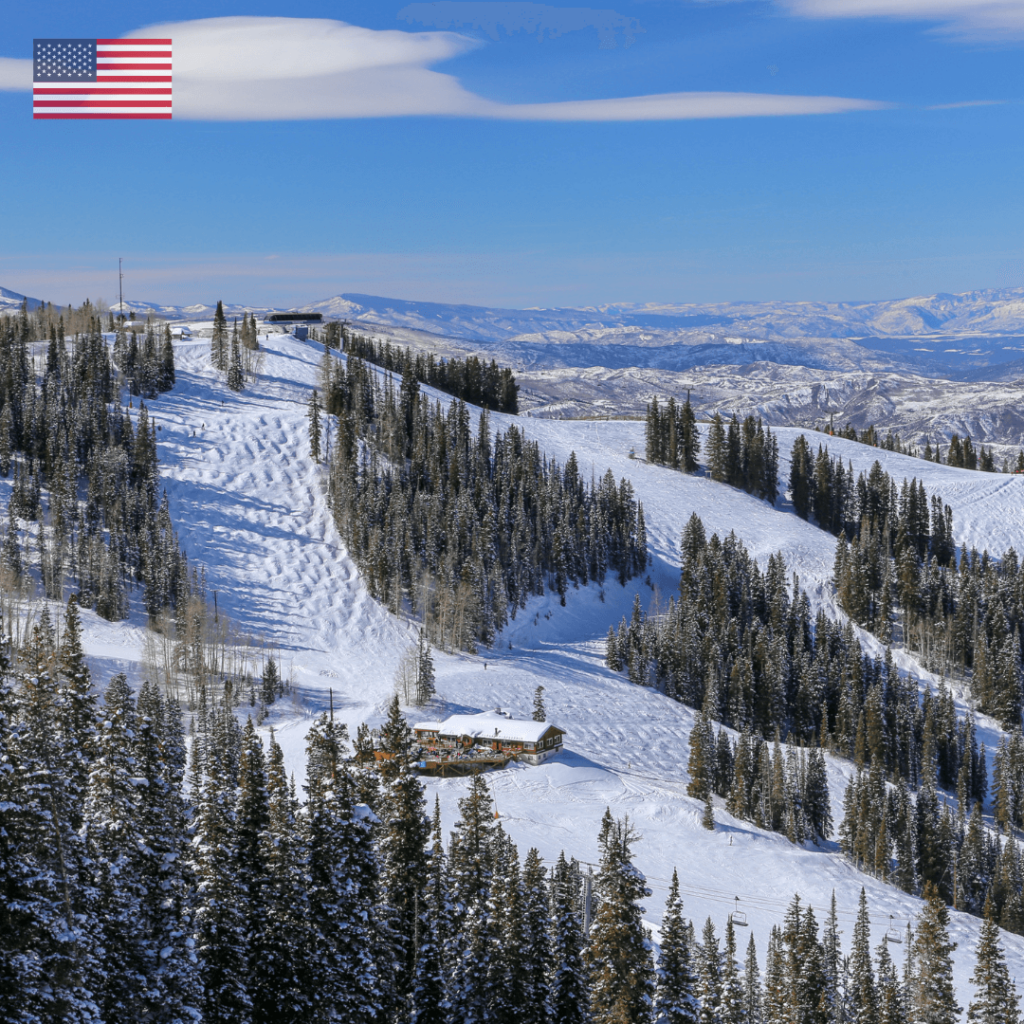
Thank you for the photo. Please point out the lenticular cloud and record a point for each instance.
(288, 69)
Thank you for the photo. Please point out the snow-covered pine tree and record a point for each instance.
(59, 954)
(219, 339)
(469, 852)
(116, 845)
(753, 999)
(675, 1000)
(995, 1000)
(401, 836)
(221, 941)
(892, 1003)
(537, 937)
(343, 892)
(252, 824)
(172, 983)
(863, 1004)
(509, 991)
(284, 993)
(932, 996)
(270, 683)
(618, 957)
(570, 999)
(428, 1003)
(731, 1009)
(236, 375)
(709, 976)
(313, 415)
(539, 713)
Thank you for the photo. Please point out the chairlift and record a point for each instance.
(739, 917)
(893, 934)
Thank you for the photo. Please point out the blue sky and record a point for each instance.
(476, 152)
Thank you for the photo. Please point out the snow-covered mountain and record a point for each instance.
(935, 334)
(250, 506)
(921, 409)
(970, 313)
(11, 301)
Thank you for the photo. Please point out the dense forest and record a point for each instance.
(472, 379)
(85, 468)
(740, 645)
(141, 883)
(460, 526)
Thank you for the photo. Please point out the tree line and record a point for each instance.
(960, 452)
(462, 526)
(471, 379)
(104, 525)
(744, 455)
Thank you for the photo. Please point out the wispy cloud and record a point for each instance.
(287, 69)
(966, 103)
(983, 19)
(539, 19)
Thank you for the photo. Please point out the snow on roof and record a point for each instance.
(490, 725)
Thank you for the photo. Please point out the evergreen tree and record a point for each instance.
(732, 1001)
(569, 982)
(116, 842)
(862, 997)
(343, 875)
(284, 990)
(428, 1001)
(996, 1000)
(236, 376)
(674, 999)
(709, 985)
(401, 836)
(313, 415)
(752, 994)
(539, 714)
(932, 996)
(219, 339)
(618, 957)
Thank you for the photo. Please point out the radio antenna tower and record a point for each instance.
(120, 289)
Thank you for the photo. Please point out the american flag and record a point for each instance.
(83, 79)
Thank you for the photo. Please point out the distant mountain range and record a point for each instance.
(960, 336)
(986, 313)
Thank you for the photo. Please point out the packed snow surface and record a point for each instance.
(249, 505)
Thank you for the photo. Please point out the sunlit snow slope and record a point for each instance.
(249, 505)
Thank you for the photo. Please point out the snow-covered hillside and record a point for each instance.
(249, 505)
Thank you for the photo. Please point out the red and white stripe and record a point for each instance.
(133, 82)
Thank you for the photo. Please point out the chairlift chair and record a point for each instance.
(893, 934)
(739, 917)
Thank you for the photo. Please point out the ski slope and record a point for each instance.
(249, 505)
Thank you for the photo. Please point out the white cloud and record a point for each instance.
(974, 18)
(284, 69)
(15, 74)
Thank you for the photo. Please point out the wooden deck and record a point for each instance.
(454, 767)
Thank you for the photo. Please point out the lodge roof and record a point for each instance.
(490, 725)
